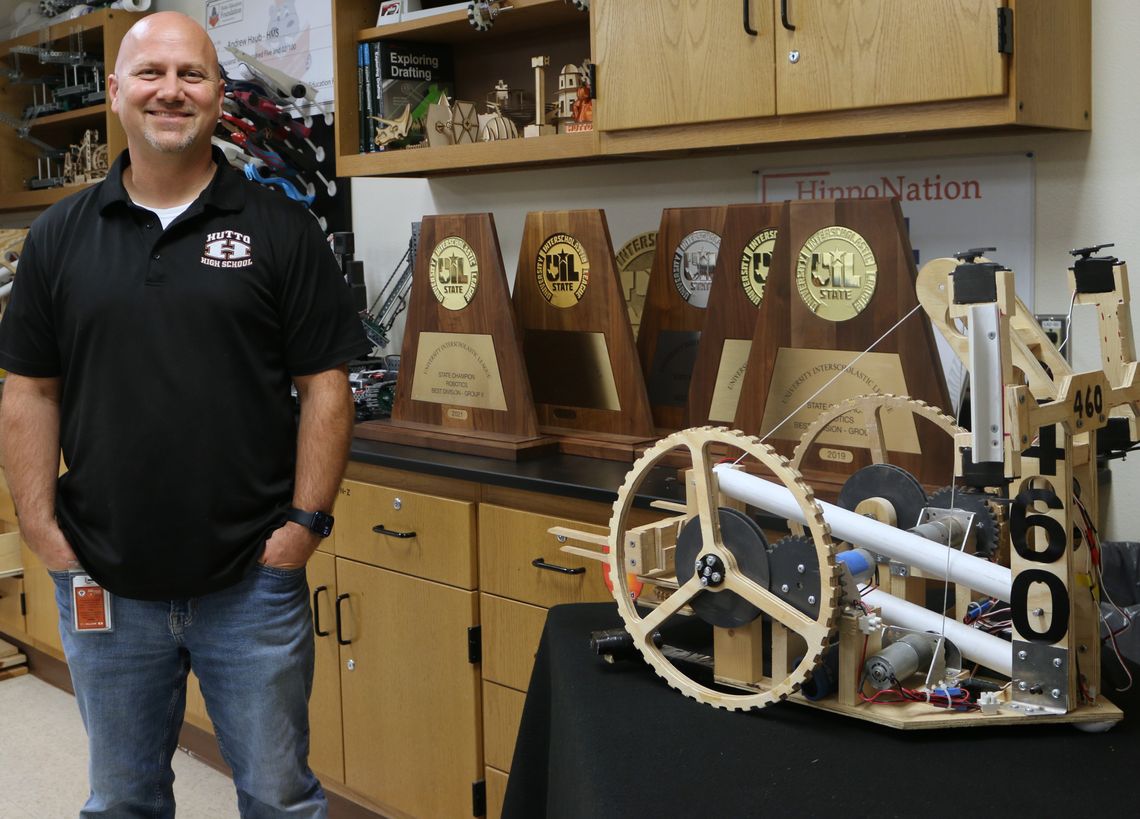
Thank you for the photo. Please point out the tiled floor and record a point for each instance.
(43, 760)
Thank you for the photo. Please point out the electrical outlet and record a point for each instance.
(1056, 327)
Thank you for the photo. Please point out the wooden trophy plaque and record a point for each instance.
(577, 340)
(842, 276)
(674, 312)
(742, 266)
(462, 385)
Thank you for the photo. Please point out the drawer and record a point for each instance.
(438, 534)
(502, 713)
(511, 632)
(12, 606)
(509, 542)
(496, 792)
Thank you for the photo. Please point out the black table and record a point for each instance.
(600, 740)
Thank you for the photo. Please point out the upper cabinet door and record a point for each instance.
(863, 53)
(671, 62)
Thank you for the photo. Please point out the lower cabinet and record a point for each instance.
(410, 691)
(42, 615)
(326, 744)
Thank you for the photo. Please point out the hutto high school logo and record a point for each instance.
(454, 273)
(835, 273)
(693, 264)
(227, 248)
(562, 270)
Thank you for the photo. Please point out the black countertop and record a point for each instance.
(566, 475)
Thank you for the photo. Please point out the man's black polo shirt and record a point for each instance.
(175, 351)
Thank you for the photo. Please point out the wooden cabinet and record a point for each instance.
(97, 34)
(410, 691)
(12, 620)
(326, 743)
(683, 75)
(42, 615)
(676, 63)
(888, 52)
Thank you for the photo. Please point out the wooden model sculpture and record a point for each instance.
(1010, 552)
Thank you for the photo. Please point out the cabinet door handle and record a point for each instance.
(340, 598)
(539, 563)
(747, 22)
(784, 15)
(317, 612)
(380, 530)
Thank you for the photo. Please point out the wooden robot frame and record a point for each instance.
(1032, 452)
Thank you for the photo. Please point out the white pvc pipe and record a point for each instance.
(992, 652)
(934, 559)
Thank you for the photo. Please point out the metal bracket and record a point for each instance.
(1005, 30)
(1040, 679)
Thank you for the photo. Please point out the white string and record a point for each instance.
(1068, 324)
(850, 364)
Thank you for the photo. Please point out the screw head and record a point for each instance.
(784, 588)
(397, 504)
(350, 665)
(704, 581)
(1055, 693)
(811, 599)
(710, 559)
(1021, 655)
(1038, 612)
(991, 335)
(1022, 686)
(716, 577)
(699, 564)
(1056, 662)
(793, 57)
(801, 569)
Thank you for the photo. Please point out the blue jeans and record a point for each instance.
(251, 647)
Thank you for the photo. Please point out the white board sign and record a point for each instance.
(950, 205)
(293, 36)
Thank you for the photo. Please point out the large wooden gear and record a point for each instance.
(737, 657)
(872, 408)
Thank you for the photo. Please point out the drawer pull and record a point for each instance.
(317, 611)
(748, 25)
(380, 530)
(784, 16)
(539, 563)
(340, 598)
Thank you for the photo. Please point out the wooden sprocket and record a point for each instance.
(705, 446)
(872, 407)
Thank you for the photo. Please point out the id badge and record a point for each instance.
(90, 605)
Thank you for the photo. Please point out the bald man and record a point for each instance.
(156, 326)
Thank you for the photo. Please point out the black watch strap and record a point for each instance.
(319, 522)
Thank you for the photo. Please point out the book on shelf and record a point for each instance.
(396, 75)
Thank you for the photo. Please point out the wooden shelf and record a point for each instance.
(98, 112)
(473, 157)
(452, 26)
(16, 201)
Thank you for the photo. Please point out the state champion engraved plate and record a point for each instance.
(454, 273)
(563, 270)
(835, 273)
(755, 263)
(693, 263)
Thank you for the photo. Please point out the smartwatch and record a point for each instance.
(319, 522)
